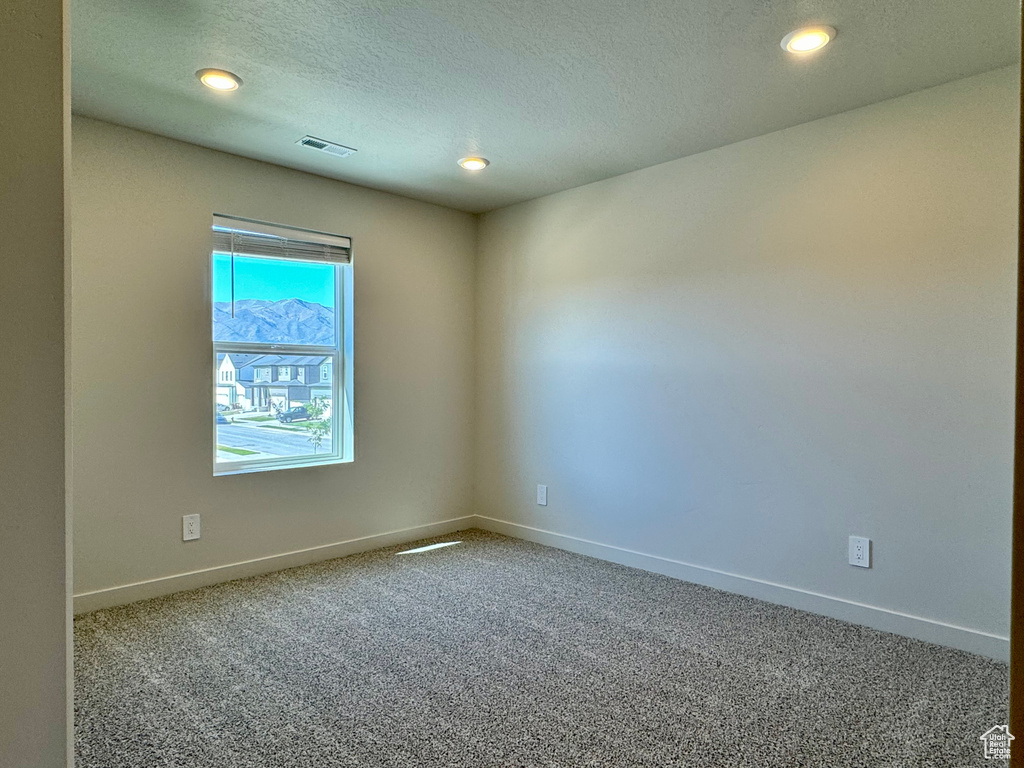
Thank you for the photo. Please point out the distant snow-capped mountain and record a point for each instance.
(289, 321)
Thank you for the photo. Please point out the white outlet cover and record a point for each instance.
(190, 527)
(860, 551)
(542, 495)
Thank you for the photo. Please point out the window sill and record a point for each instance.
(248, 469)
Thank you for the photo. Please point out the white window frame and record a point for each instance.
(284, 372)
(341, 354)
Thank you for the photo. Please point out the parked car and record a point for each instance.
(299, 413)
(223, 407)
(222, 419)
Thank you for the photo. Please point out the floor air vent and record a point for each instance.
(325, 146)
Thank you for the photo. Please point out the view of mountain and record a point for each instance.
(289, 321)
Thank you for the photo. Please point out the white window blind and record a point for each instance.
(243, 237)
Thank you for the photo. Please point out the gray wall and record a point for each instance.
(142, 378)
(737, 359)
(34, 532)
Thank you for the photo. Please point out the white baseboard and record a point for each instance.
(940, 633)
(143, 590)
(929, 630)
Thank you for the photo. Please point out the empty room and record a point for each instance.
(429, 383)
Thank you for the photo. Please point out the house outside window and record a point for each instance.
(282, 304)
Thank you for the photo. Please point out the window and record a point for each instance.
(282, 299)
(325, 372)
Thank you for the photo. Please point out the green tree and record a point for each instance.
(317, 426)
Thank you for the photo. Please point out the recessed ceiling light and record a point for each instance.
(808, 39)
(219, 79)
(474, 163)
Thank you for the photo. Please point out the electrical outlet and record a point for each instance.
(542, 495)
(860, 551)
(190, 527)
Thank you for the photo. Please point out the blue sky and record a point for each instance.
(273, 280)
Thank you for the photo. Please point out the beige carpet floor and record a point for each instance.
(498, 653)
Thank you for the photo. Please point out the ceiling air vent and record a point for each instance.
(325, 146)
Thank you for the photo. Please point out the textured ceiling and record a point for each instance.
(557, 93)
